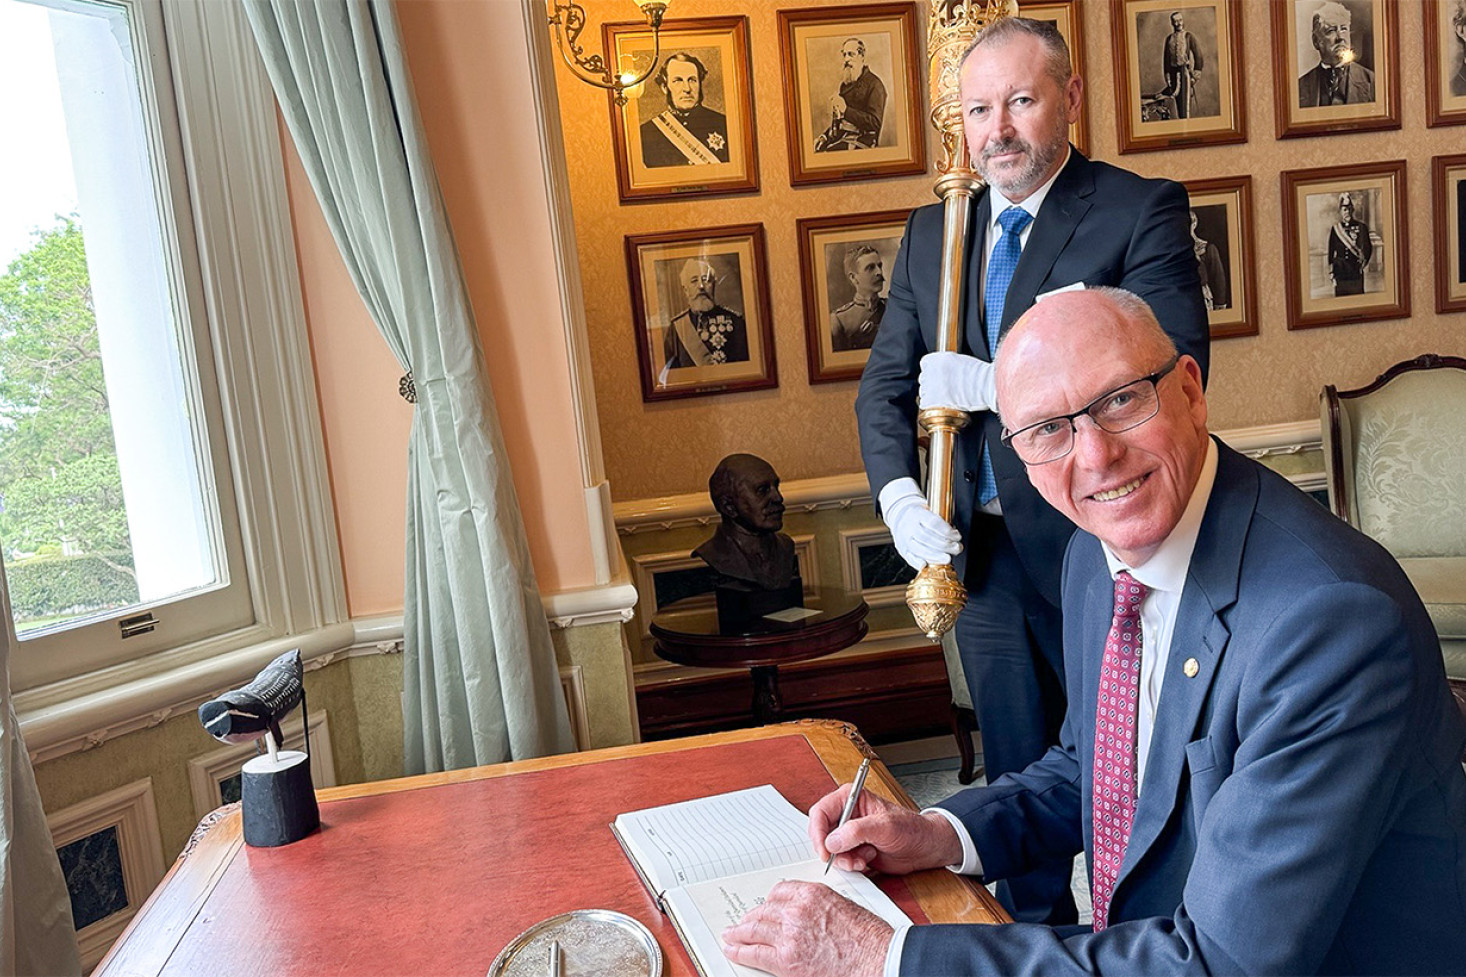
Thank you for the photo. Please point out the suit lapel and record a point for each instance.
(1062, 210)
(972, 325)
(1201, 636)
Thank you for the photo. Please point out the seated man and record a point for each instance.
(1260, 759)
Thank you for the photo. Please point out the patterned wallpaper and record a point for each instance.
(809, 431)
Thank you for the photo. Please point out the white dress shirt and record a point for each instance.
(1165, 574)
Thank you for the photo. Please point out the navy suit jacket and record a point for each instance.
(1304, 807)
(1099, 225)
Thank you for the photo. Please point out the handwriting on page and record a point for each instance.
(723, 902)
(726, 834)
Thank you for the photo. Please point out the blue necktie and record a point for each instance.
(1001, 266)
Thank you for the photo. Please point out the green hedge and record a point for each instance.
(49, 586)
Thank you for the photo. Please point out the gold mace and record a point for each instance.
(936, 595)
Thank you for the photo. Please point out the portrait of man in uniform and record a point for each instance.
(858, 107)
(1343, 75)
(1342, 235)
(853, 325)
(687, 132)
(1209, 241)
(704, 333)
(1456, 67)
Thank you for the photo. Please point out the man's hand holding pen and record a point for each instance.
(805, 929)
(881, 835)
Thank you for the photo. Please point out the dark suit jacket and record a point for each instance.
(1358, 85)
(1099, 225)
(1303, 809)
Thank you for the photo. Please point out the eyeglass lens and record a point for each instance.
(1116, 412)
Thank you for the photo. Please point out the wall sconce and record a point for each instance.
(567, 20)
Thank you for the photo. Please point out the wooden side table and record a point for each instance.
(694, 636)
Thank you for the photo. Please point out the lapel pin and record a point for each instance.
(1191, 668)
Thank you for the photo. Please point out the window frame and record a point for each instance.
(227, 176)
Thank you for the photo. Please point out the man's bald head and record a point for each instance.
(1093, 353)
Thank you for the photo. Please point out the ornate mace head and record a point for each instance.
(952, 26)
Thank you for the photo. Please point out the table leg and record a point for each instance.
(767, 706)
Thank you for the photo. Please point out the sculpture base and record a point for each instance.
(738, 607)
(279, 800)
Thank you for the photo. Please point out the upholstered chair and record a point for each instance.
(1395, 457)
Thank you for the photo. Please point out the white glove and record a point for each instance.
(920, 535)
(957, 380)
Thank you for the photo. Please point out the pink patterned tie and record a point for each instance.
(1114, 742)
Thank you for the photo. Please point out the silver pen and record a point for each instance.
(554, 958)
(850, 804)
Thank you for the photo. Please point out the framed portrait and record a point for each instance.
(845, 267)
(1448, 183)
(1181, 80)
(1336, 66)
(1064, 15)
(1222, 239)
(1445, 62)
(688, 130)
(1346, 256)
(700, 307)
(852, 92)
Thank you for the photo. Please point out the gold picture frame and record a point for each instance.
(703, 148)
(867, 126)
(1445, 62)
(1347, 253)
(1181, 78)
(840, 256)
(724, 347)
(1448, 191)
(1368, 81)
(1225, 253)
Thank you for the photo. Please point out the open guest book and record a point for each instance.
(710, 860)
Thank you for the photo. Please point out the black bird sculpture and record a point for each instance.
(247, 713)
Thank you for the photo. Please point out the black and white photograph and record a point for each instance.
(1221, 240)
(1448, 192)
(1178, 64)
(852, 92)
(700, 305)
(845, 270)
(1336, 65)
(688, 129)
(1445, 62)
(1348, 251)
(1182, 83)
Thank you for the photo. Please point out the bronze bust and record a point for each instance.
(748, 552)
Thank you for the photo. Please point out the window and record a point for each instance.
(136, 301)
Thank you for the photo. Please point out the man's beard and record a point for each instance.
(701, 302)
(848, 73)
(1027, 179)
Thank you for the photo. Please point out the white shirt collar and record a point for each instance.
(1167, 567)
(1031, 203)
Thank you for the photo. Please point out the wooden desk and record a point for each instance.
(435, 874)
(697, 637)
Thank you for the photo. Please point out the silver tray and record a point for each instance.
(593, 943)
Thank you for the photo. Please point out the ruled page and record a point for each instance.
(710, 837)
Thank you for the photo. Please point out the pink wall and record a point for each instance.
(471, 72)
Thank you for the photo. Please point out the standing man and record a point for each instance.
(1338, 78)
(1050, 220)
(858, 108)
(687, 132)
(1182, 61)
(1262, 759)
(1214, 284)
(854, 324)
(1349, 250)
(1458, 28)
(706, 334)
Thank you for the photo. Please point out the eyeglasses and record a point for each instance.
(1115, 412)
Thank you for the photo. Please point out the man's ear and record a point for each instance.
(1073, 99)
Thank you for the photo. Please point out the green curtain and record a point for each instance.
(480, 683)
(36, 932)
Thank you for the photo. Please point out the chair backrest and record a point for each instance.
(1395, 456)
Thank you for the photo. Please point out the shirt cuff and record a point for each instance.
(893, 953)
(971, 863)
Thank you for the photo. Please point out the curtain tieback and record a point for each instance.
(406, 388)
